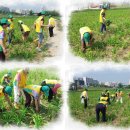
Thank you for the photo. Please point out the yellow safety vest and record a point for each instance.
(23, 79)
(84, 94)
(25, 28)
(49, 81)
(35, 88)
(84, 30)
(11, 24)
(100, 18)
(104, 100)
(52, 22)
(1, 91)
(38, 24)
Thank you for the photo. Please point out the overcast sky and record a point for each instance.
(50, 4)
(109, 75)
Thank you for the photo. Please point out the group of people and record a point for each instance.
(7, 29)
(104, 100)
(31, 93)
(86, 33)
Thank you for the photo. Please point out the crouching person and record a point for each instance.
(101, 107)
(84, 98)
(6, 92)
(52, 90)
(35, 92)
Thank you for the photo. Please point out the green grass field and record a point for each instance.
(28, 117)
(113, 45)
(20, 50)
(117, 114)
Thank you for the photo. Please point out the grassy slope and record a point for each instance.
(117, 114)
(24, 117)
(114, 45)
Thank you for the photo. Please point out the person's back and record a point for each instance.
(52, 22)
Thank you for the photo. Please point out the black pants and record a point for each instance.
(103, 27)
(50, 97)
(101, 108)
(51, 31)
(2, 56)
(85, 103)
(28, 99)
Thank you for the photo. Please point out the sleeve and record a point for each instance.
(18, 77)
(2, 34)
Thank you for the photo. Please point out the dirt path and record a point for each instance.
(54, 44)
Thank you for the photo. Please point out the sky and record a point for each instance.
(50, 4)
(108, 75)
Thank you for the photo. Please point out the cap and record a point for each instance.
(10, 16)
(8, 90)
(4, 21)
(87, 37)
(45, 89)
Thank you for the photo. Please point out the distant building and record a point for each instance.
(90, 81)
(111, 84)
(22, 12)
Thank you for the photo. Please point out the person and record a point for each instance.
(3, 26)
(39, 25)
(54, 89)
(6, 92)
(107, 93)
(10, 29)
(35, 91)
(119, 96)
(86, 37)
(113, 97)
(24, 29)
(101, 107)
(102, 19)
(6, 79)
(51, 25)
(19, 83)
(84, 98)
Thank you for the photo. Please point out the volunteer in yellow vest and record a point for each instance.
(35, 91)
(6, 79)
(19, 83)
(102, 18)
(119, 96)
(86, 37)
(6, 92)
(3, 26)
(84, 98)
(10, 29)
(39, 25)
(51, 25)
(54, 88)
(24, 29)
(101, 107)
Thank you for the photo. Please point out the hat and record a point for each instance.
(45, 89)
(20, 22)
(87, 37)
(4, 21)
(8, 90)
(43, 12)
(10, 16)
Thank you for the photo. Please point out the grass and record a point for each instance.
(28, 117)
(26, 50)
(113, 45)
(117, 114)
